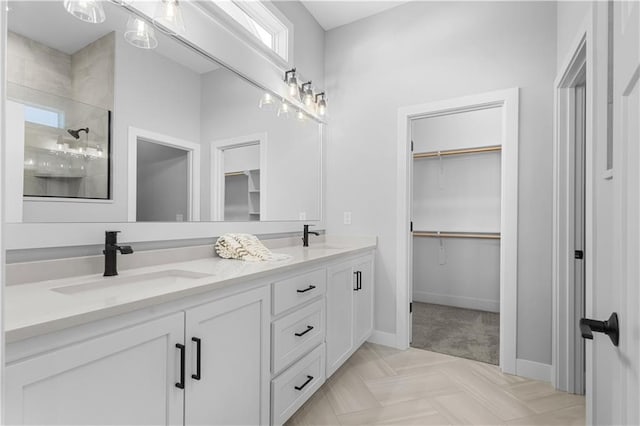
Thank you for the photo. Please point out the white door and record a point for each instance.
(615, 370)
(341, 286)
(363, 301)
(232, 384)
(122, 378)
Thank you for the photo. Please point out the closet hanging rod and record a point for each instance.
(457, 152)
(480, 235)
(235, 173)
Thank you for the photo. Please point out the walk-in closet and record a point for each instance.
(456, 208)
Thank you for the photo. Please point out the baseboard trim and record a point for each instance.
(533, 370)
(383, 338)
(457, 301)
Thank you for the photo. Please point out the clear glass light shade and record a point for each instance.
(140, 34)
(322, 107)
(86, 10)
(267, 102)
(307, 97)
(301, 116)
(293, 86)
(284, 110)
(168, 17)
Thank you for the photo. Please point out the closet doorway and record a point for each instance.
(459, 198)
(456, 233)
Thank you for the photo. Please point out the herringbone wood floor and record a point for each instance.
(380, 385)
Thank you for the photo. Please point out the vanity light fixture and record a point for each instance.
(306, 93)
(99, 151)
(301, 116)
(267, 102)
(140, 34)
(284, 109)
(292, 81)
(86, 10)
(321, 104)
(168, 17)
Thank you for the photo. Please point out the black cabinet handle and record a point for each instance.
(180, 384)
(309, 378)
(198, 366)
(309, 328)
(608, 327)
(311, 287)
(358, 275)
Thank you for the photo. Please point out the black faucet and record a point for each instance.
(111, 247)
(305, 235)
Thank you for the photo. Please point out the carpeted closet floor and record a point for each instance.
(459, 332)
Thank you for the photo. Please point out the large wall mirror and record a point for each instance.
(99, 130)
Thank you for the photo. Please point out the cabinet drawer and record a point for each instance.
(296, 334)
(296, 290)
(293, 387)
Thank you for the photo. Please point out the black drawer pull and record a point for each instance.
(311, 287)
(180, 384)
(309, 378)
(198, 366)
(309, 328)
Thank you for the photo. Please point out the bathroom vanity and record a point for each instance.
(204, 341)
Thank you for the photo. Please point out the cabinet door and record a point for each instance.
(363, 302)
(125, 377)
(233, 387)
(340, 292)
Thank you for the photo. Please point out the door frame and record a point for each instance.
(217, 171)
(193, 159)
(508, 100)
(580, 58)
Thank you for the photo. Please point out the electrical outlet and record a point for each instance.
(347, 218)
(302, 216)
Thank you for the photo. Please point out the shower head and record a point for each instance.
(76, 133)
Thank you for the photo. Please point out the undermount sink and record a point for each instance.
(169, 277)
(323, 247)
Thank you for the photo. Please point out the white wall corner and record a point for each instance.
(383, 338)
(533, 370)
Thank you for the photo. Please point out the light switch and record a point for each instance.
(347, 218)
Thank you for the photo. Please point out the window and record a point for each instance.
(261, 22)
(43, 116)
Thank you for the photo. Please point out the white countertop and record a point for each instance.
(33, 309)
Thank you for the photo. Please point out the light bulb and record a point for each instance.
(322, 107)
(99, 151)
(140, 34)
(168, 17)
(301, 116)
(284, 110)
(307, 98)
(267, 102)
(293, 87)
(86, 10)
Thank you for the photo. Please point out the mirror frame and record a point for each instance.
(207, 36)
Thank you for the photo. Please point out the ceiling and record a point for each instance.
(334, 13)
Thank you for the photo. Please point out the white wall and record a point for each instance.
(162, 183)
(571, 15)
(426, 51)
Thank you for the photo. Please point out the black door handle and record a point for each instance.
(608, 327)
(311, 287)
(309, 378)
(180, 384)
(198, 366)
(357, 281)
(309, 328)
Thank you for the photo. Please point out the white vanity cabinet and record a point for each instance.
(122, 377)
(136, 375)
(349, 309)
(227, 380)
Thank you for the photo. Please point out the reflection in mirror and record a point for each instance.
(102, 131)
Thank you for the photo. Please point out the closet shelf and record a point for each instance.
(479, 235)
(436, 154)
